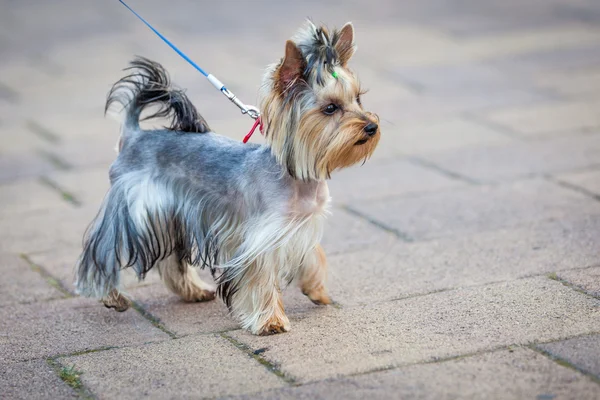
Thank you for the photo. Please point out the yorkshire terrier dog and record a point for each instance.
(184, 196)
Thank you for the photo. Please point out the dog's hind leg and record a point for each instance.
(184, 281)
(116, 300)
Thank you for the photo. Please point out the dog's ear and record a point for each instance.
(292, 66)
(345, 44)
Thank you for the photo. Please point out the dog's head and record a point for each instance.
(311, 108)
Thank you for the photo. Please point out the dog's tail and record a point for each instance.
(149, 85)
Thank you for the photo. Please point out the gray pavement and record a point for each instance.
(464, 256)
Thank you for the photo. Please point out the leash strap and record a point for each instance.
(253, 112)
(256, 123)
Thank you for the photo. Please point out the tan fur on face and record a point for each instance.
(312, 144)
(304, 139)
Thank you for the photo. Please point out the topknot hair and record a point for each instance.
(323, 50)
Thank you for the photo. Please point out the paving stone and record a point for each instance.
(88, 186)
(477, 209)
(506, 374)
(184, 318)
(68, 326)
(521, 43)
(32, 380)
(85, 126)
(587, 180)
(92, 22)
(545, 61)
(582, 352)
(402, 270)
(572, 83)
(499, 26)
(18, 138)
(29, 195)
(20, 284)
(22, 165)
(42, 231)
(461, 78)
(193, 367)
(518, 160)
(442, 106)
(587, 279)
(346, 233)
(437, 136)
(96, 151)
(427, 328)
(434, 47)
(385, 178)
(20, 73)
(539, 120)
(60, 263)
(440, 49)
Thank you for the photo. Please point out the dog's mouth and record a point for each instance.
(361, 142)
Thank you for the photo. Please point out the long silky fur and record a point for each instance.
(149, 84)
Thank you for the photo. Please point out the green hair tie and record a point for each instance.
(334, 74)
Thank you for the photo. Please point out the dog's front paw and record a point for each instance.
(274, 326)
(318, 296)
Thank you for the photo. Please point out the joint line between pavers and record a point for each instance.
(54, 159)
(51, 280)
(42, 132)
(400, 235)
(71, 378)
(155, 321)
(435, 360)
(434, 167)
(564, 362)
(572, 187)
(66, 196)
(262, 361)
(483, 284)
(553, 276)
(412, 296)
(413, 86)
(8, 93)
(498, 128)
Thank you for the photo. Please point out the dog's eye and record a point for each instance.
(330, 109)
(358, 100)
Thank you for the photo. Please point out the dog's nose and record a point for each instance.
(371, 128)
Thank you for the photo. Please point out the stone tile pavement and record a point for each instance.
(464, 257)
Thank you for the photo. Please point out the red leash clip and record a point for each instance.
(258, 122)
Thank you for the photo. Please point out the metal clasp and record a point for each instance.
(252, 111)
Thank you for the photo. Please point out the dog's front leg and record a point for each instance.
(313, 276)
(256, 300)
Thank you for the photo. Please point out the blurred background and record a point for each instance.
(469, 91)
(488, 169)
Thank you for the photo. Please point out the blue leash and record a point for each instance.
(246, 109)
